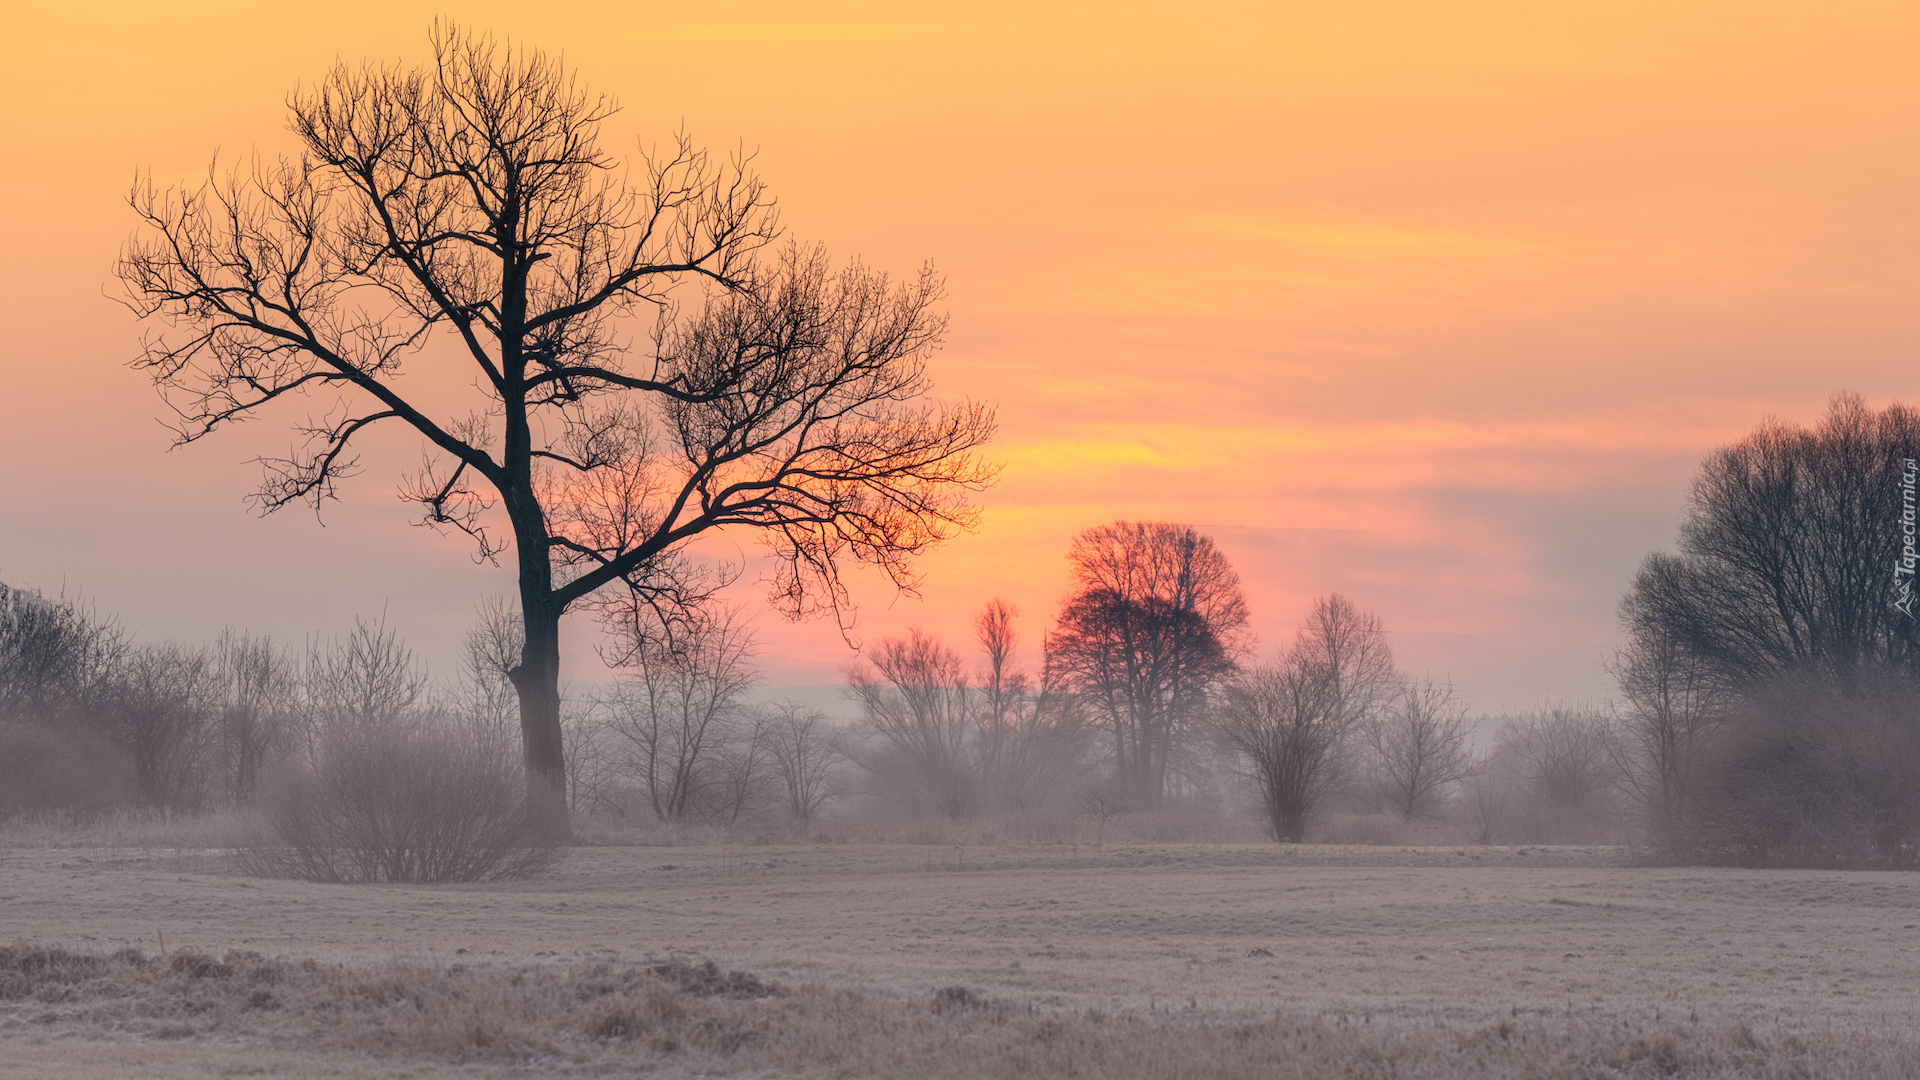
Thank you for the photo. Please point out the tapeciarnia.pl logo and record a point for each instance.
(1903, 568)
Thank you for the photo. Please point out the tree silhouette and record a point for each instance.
(465, 213)
(1154, 622)
(916, 697)
(1791, 557)
(1292, 721)
(1418, 746)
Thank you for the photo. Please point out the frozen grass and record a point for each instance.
(128, 829)
(986, 958)
(601, 1018)
(1053, 826)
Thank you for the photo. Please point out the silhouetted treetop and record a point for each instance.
(1788, 554)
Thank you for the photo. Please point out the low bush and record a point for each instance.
(1808, 776)
(417, 803)
(71, 776)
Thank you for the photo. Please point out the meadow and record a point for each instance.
(962, 959)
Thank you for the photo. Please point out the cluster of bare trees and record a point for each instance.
(92, 721)
(1294, 723)
(362, 766)
(1551, 776)
(942, 739)
(1331, 719)
(59, 682)
(681, 737)
(1143, 702)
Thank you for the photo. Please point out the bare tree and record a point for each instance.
(59, 665)
(1417, 747)
(1003, 690)
(917, 700)
(744, 777)
(469, 204)
(57, 658)
(1030, 739)
(368, 679)
(1154, 623)
(805, 756)
(1291, 722)
(168, 700)
(1673, 705)
(1565, 752)
(680, 706)
(595, 764)
(259, 717)
(1104, 800)
(1555, 768)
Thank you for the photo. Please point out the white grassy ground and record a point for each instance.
(1409, 937)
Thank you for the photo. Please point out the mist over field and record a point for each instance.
(1240, 541)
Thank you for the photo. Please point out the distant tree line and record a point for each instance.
(1766, 710)
(92, 723)
(1144, 700)
(1147, 699)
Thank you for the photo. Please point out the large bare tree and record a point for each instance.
(464, 217)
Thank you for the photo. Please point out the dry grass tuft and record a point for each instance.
(600, 1017)
(127, 829)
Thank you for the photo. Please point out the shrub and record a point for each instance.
(71, 775)
(1805, 775)
(420, 803)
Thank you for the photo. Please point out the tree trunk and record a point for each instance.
(537, 681)
(1289, 823)
(1286, 812)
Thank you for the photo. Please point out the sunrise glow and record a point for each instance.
(1435, 305)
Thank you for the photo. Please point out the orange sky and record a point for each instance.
(1434, 304)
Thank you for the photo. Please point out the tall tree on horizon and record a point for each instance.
(468, 205)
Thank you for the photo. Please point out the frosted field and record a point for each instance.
(1453, 939)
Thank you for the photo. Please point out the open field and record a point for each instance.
(1160, 943)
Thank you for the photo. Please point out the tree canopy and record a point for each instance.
(1155, 620)
(1790, 556)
